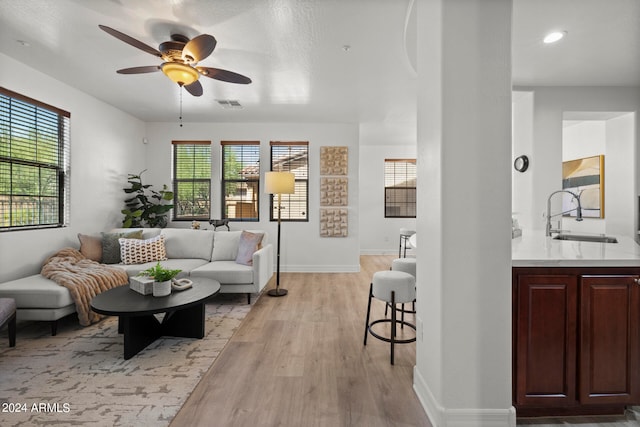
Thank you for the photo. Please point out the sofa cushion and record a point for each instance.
(136, 251)
(225, 272)
(147, 233)
(111, 246)
(249, 243)
(186, 265)
(91, 247)
(187, 243)
(225, 245)
(36, 292)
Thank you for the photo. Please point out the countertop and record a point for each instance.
(534, 249)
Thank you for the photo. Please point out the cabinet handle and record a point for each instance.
(637, 281)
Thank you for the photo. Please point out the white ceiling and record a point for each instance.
(293, 50)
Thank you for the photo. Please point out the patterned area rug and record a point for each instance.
(79, 377)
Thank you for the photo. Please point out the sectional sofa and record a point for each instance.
(225, 256)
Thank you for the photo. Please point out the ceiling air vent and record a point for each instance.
(230, 104)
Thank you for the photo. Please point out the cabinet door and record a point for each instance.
(609, 351)
(546, 340)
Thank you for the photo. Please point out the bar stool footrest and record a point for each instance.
(386, 339)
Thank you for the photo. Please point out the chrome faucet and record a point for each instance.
(549, 216)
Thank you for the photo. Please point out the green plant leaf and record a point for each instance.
(146, 207)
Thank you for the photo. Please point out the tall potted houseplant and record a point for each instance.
(146, 207)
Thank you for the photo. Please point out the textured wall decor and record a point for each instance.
(333, 222)
(334, 160)
(334, 191)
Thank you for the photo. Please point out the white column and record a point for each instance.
(463, 363)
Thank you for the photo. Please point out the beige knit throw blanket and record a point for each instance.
(83, 278)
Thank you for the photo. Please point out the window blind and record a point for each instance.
(241, 180)
(191, 180)
(292, 157)
(400, 188)
(34, 163)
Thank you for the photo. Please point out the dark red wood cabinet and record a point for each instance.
(576, 341)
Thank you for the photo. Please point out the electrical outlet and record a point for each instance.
(386, 239)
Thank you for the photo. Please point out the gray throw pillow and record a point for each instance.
(111, 246)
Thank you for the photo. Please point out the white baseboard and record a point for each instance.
(385, 252)
(319, 268)
(443, 417)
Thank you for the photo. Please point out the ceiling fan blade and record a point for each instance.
(194, 88)
(139, 70)
(224, 75)
(198, 48)
(130, 40)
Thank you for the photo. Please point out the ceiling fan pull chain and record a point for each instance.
(180, 105)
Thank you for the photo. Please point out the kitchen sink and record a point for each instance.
(586, 238)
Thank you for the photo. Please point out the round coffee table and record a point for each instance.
(184, 313)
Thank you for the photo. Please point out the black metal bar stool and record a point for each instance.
(408, 265)
(394, 287)
(405, 233)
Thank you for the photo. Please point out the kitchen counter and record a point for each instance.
(534, 249)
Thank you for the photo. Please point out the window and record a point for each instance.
(191, 180)
(34, 163)
(240, 180)
(292, 157)
(400, 188)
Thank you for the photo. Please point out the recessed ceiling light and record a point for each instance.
(554, 36)
(23, 43)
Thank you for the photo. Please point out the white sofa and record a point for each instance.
(211, 254)
(198, 253)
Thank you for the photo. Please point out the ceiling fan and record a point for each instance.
(180, 56)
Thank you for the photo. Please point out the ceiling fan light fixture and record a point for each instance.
(179, 73)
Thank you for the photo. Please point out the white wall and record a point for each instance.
(550, 103)
(522, 144)
(463, 350)
(380, 235)
(621, 206)
(106, 144)
(302, 249)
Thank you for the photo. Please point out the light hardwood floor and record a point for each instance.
(299, 360)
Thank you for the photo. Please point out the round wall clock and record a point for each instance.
(521, 163)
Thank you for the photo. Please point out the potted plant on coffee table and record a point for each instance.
(161, 279)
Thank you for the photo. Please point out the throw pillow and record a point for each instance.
(136, 251)
(225, 245)
(249, 243)
(111, 246)
(90, 247)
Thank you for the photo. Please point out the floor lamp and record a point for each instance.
(279, 183)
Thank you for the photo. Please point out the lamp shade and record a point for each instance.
(279, 182)
(180, 73)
